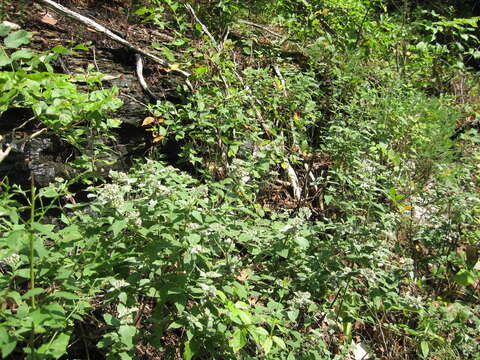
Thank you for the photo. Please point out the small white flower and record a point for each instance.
(152, 203)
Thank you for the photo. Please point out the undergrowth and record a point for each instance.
(334, 206)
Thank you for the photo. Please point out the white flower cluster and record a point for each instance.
(209, 290)
(113, 195)
(302, 299)
(12, 260)
(240, 169)
(196, 249)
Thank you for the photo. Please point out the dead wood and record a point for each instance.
(100, 28)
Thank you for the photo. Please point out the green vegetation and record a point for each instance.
(334, 203)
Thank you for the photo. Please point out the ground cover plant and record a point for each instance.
(323, 202)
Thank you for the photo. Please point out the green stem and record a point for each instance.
(32, 219)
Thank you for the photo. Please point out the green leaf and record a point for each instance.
(424, 348)
(52, 315)
(4, 59)
(197, 216)
(244, 316)
(327, 199)
(80, 47)
(188, 351)
(267, 344)
(127, 332)
(293, 314)
(4, 30)
(125, 356)
(111, 320)
(23, 273)
(114, 123)
(45, 229)
(65, 295)
(421, 46)
(464, 277)
(56, 348)
(32, 292)
(279, 342)
(22, 54)
(175, 325)
(258, 333)
(239, 340)
(17, 38)
(201, 70)
(302, 242)
(118, 226)
(7, 342)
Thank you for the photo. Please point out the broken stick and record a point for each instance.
(94, 25)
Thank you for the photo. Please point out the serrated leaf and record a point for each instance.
(17, 38)
(327, 199)
(175, 325)
(125, 356)
(114, 123)
(111, 320)
(45, 229)
(197, 216)
(258, 333)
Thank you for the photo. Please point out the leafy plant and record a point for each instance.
(56, 102)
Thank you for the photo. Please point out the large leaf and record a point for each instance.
(56, 348)
(127, 332)
(17, 38)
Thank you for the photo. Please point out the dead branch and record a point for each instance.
(141, 79)
(94, 25)
(292, 176)
(204, 28)
(282, 80)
